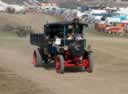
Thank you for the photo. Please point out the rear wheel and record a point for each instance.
(37, 58)
(91, 62)
(59, 64)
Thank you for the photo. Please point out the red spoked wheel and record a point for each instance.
(37, 59)
(59, 64)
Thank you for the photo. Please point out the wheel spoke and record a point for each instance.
(59, 64)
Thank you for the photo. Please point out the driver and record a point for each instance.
(69, 36)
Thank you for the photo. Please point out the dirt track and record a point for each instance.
(18, 76)
(110, 74)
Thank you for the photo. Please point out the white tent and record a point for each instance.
(97, 14)
(123, 11)
(2, 9)
(3, 4)
(112, 20)
(98, 11)
(17, 8)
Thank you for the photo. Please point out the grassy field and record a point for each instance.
(12, 1)
(7, 34)
(34, 20)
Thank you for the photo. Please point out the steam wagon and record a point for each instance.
(65, 44)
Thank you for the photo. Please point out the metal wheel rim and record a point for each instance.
(34, 59)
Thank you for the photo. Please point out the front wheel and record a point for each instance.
(91, 62)
(59, 64)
